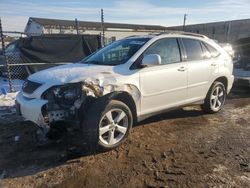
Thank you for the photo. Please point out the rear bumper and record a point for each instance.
(31, 109)
(230, 84)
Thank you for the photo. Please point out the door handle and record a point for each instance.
(182, 69)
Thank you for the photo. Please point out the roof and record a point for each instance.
(97, 25)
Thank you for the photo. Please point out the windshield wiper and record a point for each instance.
(100, 63)
(93, 62)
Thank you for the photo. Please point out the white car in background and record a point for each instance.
(126, 82)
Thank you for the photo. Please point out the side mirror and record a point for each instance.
(151, 60)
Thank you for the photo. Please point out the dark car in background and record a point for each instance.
(31, 54)
(242, 62)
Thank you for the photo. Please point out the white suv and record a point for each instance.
(127, 81)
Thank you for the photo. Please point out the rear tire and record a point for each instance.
(215, 98)
(106, 124)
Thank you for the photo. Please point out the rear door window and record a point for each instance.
(193, 49)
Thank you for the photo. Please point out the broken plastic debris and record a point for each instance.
(3, 174)
(17, 138)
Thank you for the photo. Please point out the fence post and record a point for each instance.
(102, 28)
(6, 58)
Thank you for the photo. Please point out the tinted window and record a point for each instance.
(212, 50)
(168, 49)
(193, 49)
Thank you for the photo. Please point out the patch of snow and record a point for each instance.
(7, 100)
(7, 104)
(4, 85)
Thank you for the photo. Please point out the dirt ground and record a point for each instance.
(182, 148)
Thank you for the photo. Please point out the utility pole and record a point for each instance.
(77, 26)
(102, 27)
(184, 21)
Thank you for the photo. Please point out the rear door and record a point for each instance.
(199, 69)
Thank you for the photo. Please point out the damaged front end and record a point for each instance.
(62, 102)
(65, 105)
(65, 101)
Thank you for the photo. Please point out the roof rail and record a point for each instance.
(146, 35)
(181, 33)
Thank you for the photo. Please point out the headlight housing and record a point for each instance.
(64, 95)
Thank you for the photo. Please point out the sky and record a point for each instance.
(15, 14)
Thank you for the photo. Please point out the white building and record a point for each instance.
(113, 31)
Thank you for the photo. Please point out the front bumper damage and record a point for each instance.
(31, 109)
(38, 112)
(47, 111)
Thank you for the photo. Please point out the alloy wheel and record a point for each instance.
(113, 127)
(217, 98)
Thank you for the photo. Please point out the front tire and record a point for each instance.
(215, 98)
(106, 125)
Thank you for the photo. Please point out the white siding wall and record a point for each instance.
(118, 34)
(34, 29)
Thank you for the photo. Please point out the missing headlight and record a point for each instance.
(69, 95)
(64, 95)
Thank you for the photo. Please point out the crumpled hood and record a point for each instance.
(71, 73)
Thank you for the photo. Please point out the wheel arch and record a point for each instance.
(223, 80)
(121, 96)
(126, 98)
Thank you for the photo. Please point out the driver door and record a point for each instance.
(163, 86)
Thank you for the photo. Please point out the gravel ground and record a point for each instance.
(182, 148)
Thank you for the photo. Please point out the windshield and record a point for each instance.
(117, 53)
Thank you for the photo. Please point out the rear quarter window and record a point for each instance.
(206, 52)
(214, 52)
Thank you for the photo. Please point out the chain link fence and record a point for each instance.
(4, 65)
(15, 68)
